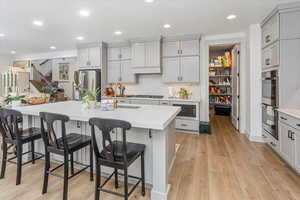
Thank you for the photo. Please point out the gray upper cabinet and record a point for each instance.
(190, 69)
(289, 82)
(181, 69)
(119, 68)
(90, 55)
(181, 48)
(146, 56)
(190, 48)
(113, 72)
(171, 70)
(125, 53)
(270, 30)
(171, 49)
(290, 25)
(270, 56)
(114, 53)
(126, 74)
(181, 61)
(119, 53)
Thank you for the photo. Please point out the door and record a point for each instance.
(113, 72)
(235, 87)
(171, 69)
(95, 56)
(189, 69)
(190, 47)
(171, 49)
(127, 75)
(113, 53)
(285, 142)
(138, 55)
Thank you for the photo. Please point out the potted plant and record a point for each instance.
(15, 100)
(90, 98)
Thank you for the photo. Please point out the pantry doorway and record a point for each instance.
(224, 82)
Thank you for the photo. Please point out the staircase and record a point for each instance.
(43, 84)
(38, 85)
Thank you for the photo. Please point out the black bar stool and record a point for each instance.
(65, 146)
(117, 155)
(11, 128)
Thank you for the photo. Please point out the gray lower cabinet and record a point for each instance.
(189, 125)
(297, 150)
(286, 147)
(289, 137)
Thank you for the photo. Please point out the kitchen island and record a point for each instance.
(152, 125)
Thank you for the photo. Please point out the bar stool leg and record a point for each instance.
(4, 159)
(116, 178)
(126, 183)
(143, 173)
(46, 172)
(98, 180)
(19, 163)
(91, 163)
(72, 163)
(66, 176)
(32, 152)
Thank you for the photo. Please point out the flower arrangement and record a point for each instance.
(90, 97)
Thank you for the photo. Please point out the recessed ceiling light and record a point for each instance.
(149, 1)
(79, 38)
(52, 47)
(167, 26)
(84, 13)
(38, 23)
(230, 17)
(13, 52)
(118, 32)
(2, 34)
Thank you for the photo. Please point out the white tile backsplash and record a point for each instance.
(152, 85)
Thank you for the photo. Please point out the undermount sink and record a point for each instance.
(127, 106)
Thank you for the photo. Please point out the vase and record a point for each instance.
(92, 104)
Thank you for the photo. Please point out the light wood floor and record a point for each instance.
(221, 166)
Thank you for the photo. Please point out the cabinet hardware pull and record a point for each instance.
(267, 38)
(183, 125)
(298, 125)
(178, 51)
(267, 61)
(292, 136)
(289, 134)
(283, 118)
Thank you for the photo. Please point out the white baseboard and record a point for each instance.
(254, 138)
(156, 195)
(172, 164)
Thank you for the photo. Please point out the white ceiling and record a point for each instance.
(134, 18)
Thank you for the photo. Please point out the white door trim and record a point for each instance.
(206, 42)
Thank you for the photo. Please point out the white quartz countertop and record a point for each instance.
(292, 112)
(146, 116)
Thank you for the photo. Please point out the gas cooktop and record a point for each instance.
(147, 96)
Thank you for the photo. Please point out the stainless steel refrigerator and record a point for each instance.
(90, 79)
